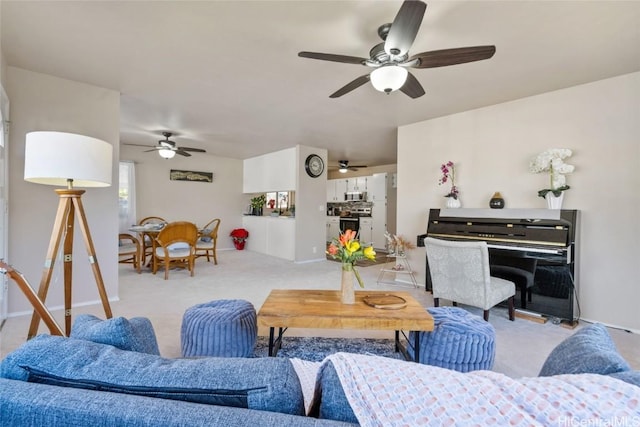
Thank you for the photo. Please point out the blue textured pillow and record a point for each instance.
(267, 384)
(330, 402)
(205, 235)
(631, 377)
(588, 351)
(136, 334)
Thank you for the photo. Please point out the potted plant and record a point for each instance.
(449, 175)
(347, 249)
(239, 236)
(257, 203)
(552, 161)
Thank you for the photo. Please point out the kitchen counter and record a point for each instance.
(271, 235)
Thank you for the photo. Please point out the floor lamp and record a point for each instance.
(66, 159)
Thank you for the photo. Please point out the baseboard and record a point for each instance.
(609, 325)
(61, 307)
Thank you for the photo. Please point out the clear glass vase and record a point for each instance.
(347, 292)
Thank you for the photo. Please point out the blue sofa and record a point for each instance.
(57, 381)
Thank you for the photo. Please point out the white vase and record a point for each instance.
(554, 202)
(347, 293)
(453, 203)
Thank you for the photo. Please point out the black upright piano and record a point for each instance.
(545, 237)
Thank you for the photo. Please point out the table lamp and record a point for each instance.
(66, 159)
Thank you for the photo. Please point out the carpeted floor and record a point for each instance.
(521, 346)
(315, 349)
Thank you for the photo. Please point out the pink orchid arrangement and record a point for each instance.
(449, 174)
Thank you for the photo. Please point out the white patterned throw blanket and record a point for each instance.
(387, 392)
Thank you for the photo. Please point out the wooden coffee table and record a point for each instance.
(288, 308)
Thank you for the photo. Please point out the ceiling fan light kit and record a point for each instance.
(389, 78)
(344, 167)
(391, 59)
(166, 153)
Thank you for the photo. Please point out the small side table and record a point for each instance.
(401, 267)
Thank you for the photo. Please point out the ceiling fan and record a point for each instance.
(167, 148)
(390, 59)
(344, 167)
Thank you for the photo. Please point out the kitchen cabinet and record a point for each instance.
(358, 183)
(366, 231)
(333, 228)
(269, 172)
(273, 236)
(336, 189)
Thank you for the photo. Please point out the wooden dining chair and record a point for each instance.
(208, 241)
(129, 251)
(147, 241)
(175, 245)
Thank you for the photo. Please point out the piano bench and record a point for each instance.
(523, 280)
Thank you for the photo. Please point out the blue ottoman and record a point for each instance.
(222, 328)
(460, 341)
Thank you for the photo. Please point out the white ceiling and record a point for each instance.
(225, 76)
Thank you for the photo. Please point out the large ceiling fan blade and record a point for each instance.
(194, 150)
(405, 27)
(412, 87)
(331, 57)
(350, 86)
(137, 145)
(182, 152)
(444, 57)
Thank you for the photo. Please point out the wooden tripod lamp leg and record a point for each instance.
(93, 260)
(70, 203)
(59, 225)
(67, 263)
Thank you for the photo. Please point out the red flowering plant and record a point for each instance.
(239, 235)
(449, 175)
(347, 249)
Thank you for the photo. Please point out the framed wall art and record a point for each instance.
(181, 175)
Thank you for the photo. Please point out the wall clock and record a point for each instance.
(314, 165)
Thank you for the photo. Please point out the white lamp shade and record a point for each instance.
(53, 158)
(166, 153)
(388, 78)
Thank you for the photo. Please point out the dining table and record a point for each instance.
(147, 232)
(150, 231)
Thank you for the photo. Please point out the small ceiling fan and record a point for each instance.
(167, 148)
(390, 59)
(344, 167)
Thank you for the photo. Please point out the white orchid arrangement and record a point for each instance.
(552, 161)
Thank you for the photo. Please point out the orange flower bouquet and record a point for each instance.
(347, 249)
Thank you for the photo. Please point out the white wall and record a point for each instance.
(491, 148)
(198, 202)
(42, 102)
(311, 207)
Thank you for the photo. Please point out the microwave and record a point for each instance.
(355, 196)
